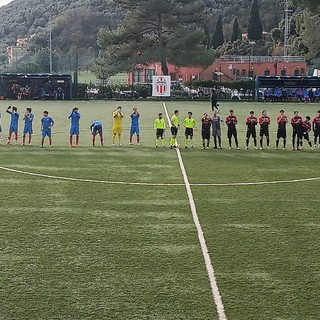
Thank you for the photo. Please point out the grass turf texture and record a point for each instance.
(77, 250)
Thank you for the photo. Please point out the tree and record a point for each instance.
(254, 24)
(218, 37)
(236, 32)
(155, 30)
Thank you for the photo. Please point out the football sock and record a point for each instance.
(24, 139)
(162, 141)
(101, 140)
(130, 139)
(230, 142)
(261, 143)
(284, 142)
(215, 141)
(77, 140)
(113, 138)
(30, 138)
(119, 139)
(156, 142)
(268, 142)
(247, 142)
(50, 141)
(219, 139)
(138, 139)
(309, 143)
(277, 143)
(70, 140)
(93, 140)
(236, 140)
(255, 142)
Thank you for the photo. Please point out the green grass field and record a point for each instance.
(84, 249)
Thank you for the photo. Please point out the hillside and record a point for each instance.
(75, 22)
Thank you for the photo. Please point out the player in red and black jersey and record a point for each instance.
(296, 123)
(264, 122)
(251, 123)
(306, 128)
(282, 121)
(231, 122)
(316, 128)
(205, 130)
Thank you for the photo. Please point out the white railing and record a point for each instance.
(249, 58)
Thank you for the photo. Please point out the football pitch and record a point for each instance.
(112, 232)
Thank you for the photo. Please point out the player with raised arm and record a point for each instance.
(216, 122)
(174, 129)
(189, 123)
(28, 121)
(46, 125)
(282, 121)
(205, 130)
(296, 123)
(135, 129)
(117, 116)
(74, 128)
(160, 128)
(264, 122)
(251, 123)
(13, 128)
(231, 122)
(316, 129)
(96, 128)
(306, 128)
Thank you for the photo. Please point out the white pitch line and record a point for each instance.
(90, 180)
(204, 248)
(231, 184)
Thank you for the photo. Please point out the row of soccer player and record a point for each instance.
(212, 125)
(301, 128)
(47, 123)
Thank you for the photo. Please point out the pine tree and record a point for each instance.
(155, 30)
(218, 37)
(254, 24)
(235, 30)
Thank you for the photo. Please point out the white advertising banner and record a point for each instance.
(161, 86)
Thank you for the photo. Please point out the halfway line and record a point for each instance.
(204, 248)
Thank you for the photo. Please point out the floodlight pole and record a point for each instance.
(50, 45)
(287, 12)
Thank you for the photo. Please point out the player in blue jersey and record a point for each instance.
(28, 120)
(74, 129)
(96, 128)
(135, 115)
(46, 125)
(13, 123)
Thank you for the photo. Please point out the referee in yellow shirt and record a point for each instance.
(189, 123)
(117, 125)
(160, 127)
(174, 129)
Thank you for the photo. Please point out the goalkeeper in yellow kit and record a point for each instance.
(117, 125)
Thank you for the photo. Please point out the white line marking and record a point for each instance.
(90, 180)
(204, 248)
(231, 184)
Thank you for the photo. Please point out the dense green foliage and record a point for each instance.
(218, 37)
(254, 24)
(236, 32)
(155, 30)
